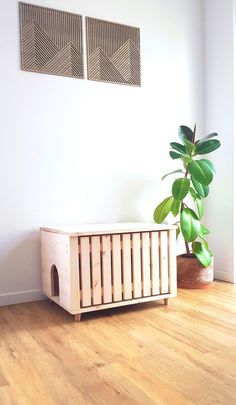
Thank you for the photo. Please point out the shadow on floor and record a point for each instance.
(46, 314)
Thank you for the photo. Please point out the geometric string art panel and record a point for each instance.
(51, 41)
(113, 52)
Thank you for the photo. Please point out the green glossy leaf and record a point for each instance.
(200, 171)
(202, 190)
(162, 210)
(204, 230)
(190, 225)
(212, 135)
(190, 146)
(175, 155)
(202, 253)
(175, 171)
(200, 208)
(175, 209)
(177, 146)
(186, 133)
(210, 164)
(186, 160)
(180, 188)
(204, 241)
(208, 146)
(193, 193)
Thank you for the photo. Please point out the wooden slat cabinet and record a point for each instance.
(92, 267)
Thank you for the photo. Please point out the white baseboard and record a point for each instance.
(21, 297)
(224, 276)
(37, 295)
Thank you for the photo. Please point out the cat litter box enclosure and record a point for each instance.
(91, 267)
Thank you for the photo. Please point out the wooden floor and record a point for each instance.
(145, 354)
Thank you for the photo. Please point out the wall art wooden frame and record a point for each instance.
(51, 41)
(113, 52)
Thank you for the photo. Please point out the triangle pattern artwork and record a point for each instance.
(113, 52)
(103, 68)
(67, 62)
(51, 41)
(127, 61)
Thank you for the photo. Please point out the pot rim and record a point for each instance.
(187, 256)
(191, 256)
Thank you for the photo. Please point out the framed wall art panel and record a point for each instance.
(51, 41)
(113, 52)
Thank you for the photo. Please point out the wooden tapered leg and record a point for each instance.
(77, 317)
(166, 301)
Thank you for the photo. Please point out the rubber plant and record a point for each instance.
(189, 191)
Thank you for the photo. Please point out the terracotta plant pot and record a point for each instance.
(191, 273)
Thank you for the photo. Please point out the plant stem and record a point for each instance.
(186, 243)
(187, 248)
(182, 207)
(194, 133)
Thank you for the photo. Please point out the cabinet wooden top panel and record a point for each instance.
(105, 229)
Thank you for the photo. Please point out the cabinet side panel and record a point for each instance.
(56, 250)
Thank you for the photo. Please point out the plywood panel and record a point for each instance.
(102, 229)
(62, 252)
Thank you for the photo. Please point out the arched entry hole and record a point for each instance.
(55, 281)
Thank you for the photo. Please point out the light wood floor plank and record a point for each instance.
(145, 354)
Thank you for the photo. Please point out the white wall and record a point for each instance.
(219, 116)
(76, 151)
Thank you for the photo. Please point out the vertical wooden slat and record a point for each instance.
(116, 268)
(96, 270)
(106, 269)
(85, 271)
(172, 262)
(75, 273)
(155, 271)
(164, 261)
(136, 265)
(126, 266)
(146, 264)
